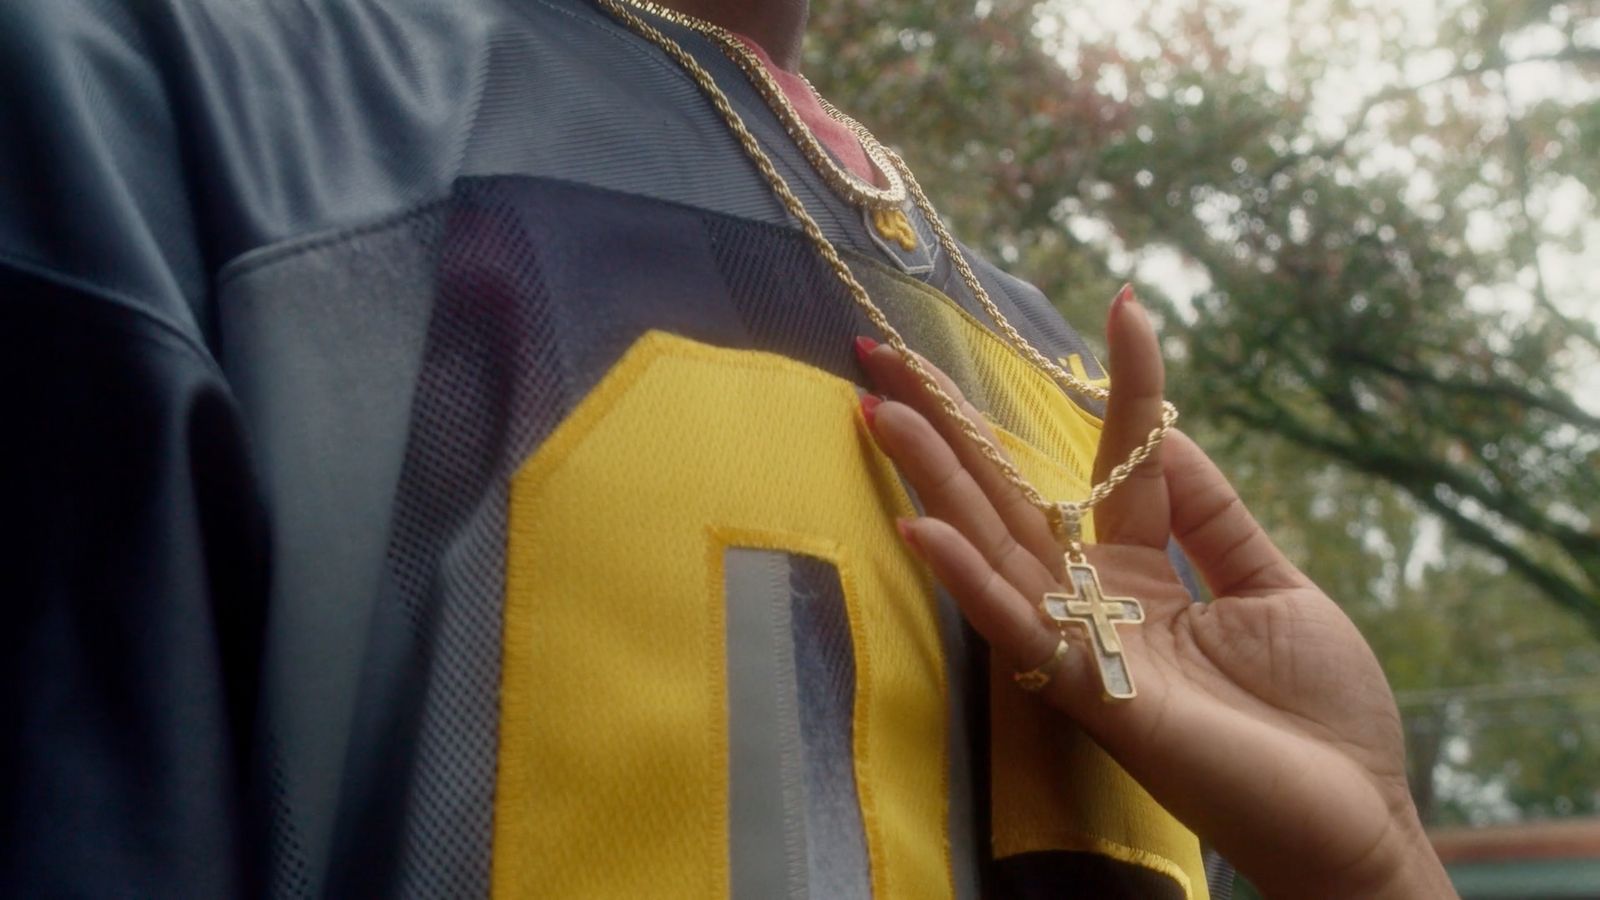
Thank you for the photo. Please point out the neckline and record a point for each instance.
(834, 136)
(865, 194)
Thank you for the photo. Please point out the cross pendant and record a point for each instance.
(1089, 607)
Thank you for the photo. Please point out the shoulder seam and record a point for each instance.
(250, 260)
(118, 299)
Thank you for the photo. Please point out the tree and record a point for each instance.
(1352, 278)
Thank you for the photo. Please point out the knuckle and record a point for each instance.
(1149, 470)
(1002, 549)
(948, 481)
(992, 586)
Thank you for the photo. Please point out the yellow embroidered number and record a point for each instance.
(613, 711)
(613, 762)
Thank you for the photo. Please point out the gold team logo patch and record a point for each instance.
(893, 225)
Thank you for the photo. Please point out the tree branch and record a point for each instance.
(1359, 121)
(1585, 601)
(1563, 591)
(1559, 406)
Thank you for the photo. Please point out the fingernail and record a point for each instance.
(1124, 295)
(1123, 298)
(864, 346)
(869, 407)
(907, 535)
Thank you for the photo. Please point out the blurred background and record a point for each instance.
(1370, 230)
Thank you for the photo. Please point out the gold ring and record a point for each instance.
(1034, 680)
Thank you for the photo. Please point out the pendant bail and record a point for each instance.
(1070, 531)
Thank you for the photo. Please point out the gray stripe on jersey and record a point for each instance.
(766, 823)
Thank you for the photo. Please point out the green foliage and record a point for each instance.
(1339, 310)
(1385, 334)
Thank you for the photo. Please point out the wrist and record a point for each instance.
(1403, 866)
(1416, 871)
(1406, 868)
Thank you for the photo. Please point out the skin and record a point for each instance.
(1263, 720)
(777, 25)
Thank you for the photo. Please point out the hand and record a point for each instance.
(1263, 720)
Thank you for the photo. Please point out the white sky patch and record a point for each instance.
(1180, 277)
(1426, 551)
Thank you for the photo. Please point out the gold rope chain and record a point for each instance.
(1064, 516)
(844, 182)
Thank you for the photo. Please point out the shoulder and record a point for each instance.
(143, 144)
(88, 149)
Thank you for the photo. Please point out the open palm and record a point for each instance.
(1263, 721)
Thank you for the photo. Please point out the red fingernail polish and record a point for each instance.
(1123, 297)
(906, 534)
(864, 346)
(869, 407)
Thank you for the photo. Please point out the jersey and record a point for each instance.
(436, 471)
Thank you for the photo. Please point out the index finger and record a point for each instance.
(1027, 525)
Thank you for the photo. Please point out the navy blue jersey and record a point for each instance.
(435, 471)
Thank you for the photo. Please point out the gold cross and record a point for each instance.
(1099, 615)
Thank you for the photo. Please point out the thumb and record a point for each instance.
(1223, 540)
